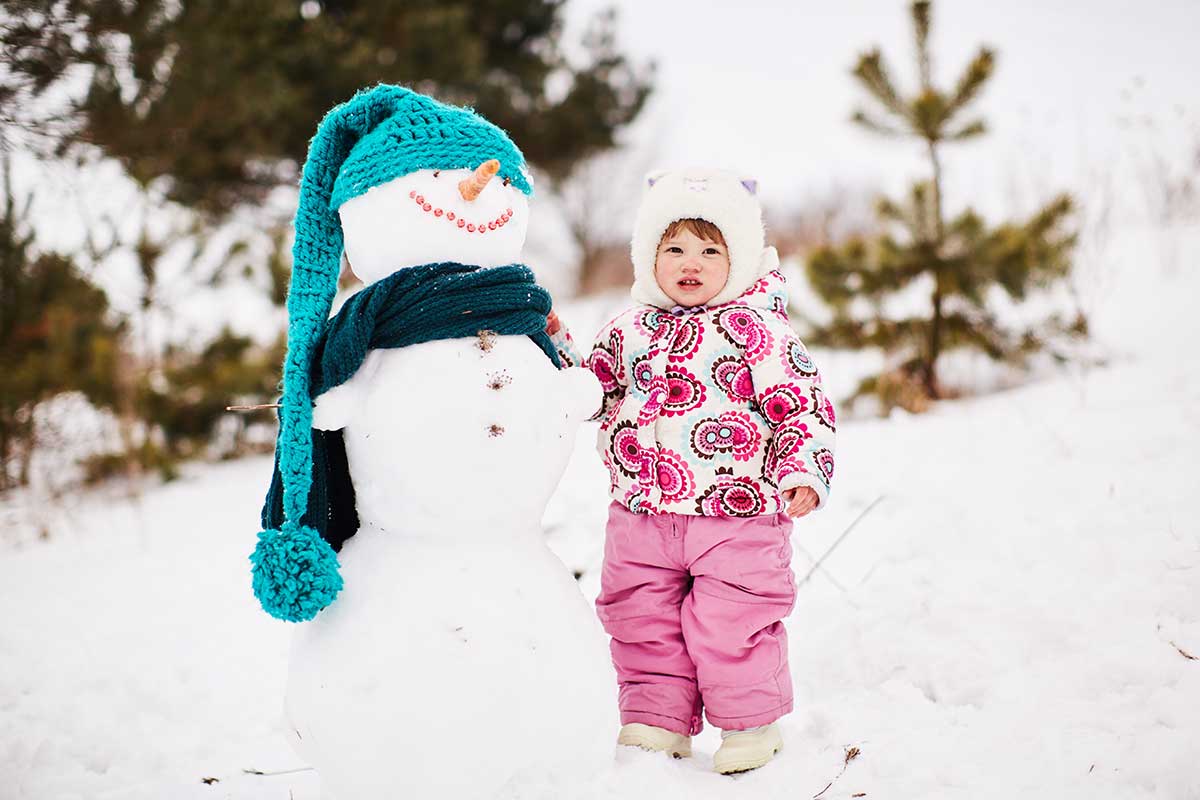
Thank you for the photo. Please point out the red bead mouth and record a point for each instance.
(457, 221)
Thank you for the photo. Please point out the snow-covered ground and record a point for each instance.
(1013, 616)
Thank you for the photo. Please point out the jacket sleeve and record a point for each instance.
(787, 389)
(607, 363)
(568, 353)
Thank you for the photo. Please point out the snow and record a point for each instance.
(1011, 617)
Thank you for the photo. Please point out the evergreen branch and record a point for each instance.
(1034, 253)
(981, 331)
(921, 24)
(972, 81)
(836, 272)
(875, 126)
(872, 73)
(968, 131)
(889, 211)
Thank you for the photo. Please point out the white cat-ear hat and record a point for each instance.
(726, 200)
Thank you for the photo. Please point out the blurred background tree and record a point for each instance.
(961, 260)
(56, 335)
(223, 98)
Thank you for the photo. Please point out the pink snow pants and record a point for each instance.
(694, 607)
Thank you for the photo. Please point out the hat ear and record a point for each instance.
(751, 185)
(653, 177)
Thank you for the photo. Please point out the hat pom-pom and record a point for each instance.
(295, 573)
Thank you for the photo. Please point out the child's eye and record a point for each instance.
(711, 251)
(674, 249)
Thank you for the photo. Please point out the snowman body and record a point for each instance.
(460, 653)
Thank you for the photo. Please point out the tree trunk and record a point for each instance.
(935, 328)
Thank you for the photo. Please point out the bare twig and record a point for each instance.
(851, 754)
(1184, 653)
(840, 539)
(828, 575)
(277, 772)
(252, 408)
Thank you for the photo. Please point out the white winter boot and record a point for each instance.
(651, 737)
(748, 749)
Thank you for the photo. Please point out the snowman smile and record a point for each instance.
(457, 220)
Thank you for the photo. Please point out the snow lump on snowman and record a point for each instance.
(422, 431)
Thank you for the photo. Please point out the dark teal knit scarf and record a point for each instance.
(414, 305)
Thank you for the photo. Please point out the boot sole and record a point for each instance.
(647, 745)
(736, 767)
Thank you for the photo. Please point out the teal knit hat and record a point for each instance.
(380, 134)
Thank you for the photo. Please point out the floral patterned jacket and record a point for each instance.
(712, 411)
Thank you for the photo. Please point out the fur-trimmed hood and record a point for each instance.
(720, 197)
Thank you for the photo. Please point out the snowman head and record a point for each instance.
(427, 183)
(470, 216)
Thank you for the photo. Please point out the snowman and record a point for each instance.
(444, 649)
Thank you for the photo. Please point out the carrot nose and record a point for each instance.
(470, 187)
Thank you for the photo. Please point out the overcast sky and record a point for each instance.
(764, 88)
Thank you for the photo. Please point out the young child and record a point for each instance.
(716, 433)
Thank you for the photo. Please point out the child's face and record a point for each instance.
(690, 270)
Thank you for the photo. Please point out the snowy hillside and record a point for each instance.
(1018, 613)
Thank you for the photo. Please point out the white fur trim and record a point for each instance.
(713, 195)
(798, 479)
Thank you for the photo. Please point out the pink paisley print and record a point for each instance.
(790, 468)
(785, 446)
(823, 408)
(656, 395)
(636, 501)
(604, 367)
(626, 450)
(675, 478)
(781, 402)
(824, 459)
(649, 321)
(616, 346)
(732, 432)
(796, 361)
(732, 497)
(685, 392)
(643, 373)
(778, 306)
(763, 284)
(689, 333)
(744, 328)
(732, 376)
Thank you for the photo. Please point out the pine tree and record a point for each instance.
(961, 259)
(222, 98)
(56, 334)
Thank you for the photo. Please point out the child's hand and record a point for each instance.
(800, 500)
(552, 323)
